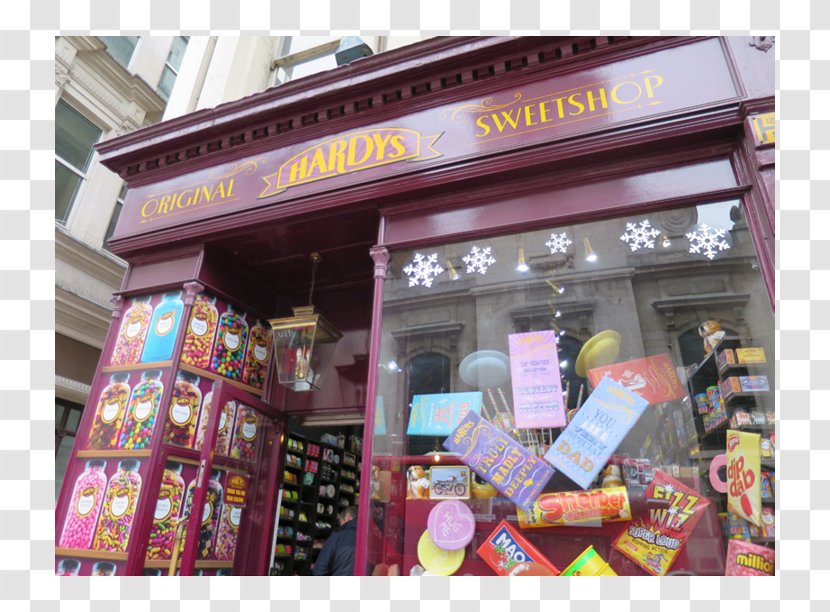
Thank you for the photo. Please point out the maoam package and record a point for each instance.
(506, 547)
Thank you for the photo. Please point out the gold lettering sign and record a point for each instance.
(601, 99)
(202, 195)
(350, 153)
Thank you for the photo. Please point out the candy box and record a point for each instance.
(757, 418)
(751, 355)
(737, 527)
(585, 445)
(506, 547)
(725, 358)
(702, 402)
(747, 559)
(766, 448)
(754, 383)
(766, 485)
(741, 418)
(729, 387)
(499, 459)
(654, 541)
(768, 522)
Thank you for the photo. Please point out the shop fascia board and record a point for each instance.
(368, 79)
(99, 264)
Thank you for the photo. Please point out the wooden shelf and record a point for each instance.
(114, 453)
(150, 365)
(102, 555)
(214, 376)
(206, 564)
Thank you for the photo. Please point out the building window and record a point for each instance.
(74, 137)
(121, 48)
(171, 66)
(67, 418)
(299, 57)
(119, 204)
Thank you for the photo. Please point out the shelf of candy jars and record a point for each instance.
(307, 511)
(292, 490)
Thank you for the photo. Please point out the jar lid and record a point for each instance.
(96, 463)
(142, 299)
(171, 295)
(173, 466)
(215, 474)
(188, 376)
(150, 374)
(129, 465)
(120, 377)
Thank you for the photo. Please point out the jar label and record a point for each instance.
(249, 428)
(235, 515)
(207, 512)
(181, 411)
(223, 420)
(164, 506)
(133, 328)
(165, 323)
(143, 410)
(120, 503)
(198, 324)
(260, 351)
(86, 501)
(231, 341)
(109, 411)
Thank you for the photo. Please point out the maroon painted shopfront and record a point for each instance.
(616, 192)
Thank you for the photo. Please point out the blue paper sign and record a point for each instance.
(596, 431)
(438, 414)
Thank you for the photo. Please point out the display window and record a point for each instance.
(585, 399)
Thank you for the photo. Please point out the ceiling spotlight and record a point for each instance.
(558, 313)
(454, 275)
(589, 252)
(563, 363)
(522, 265)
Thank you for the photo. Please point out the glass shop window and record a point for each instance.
(567, 400)
(74, 137)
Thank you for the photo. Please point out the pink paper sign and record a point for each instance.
(537, 386)
(451, 525)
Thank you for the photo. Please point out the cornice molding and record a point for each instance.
(71, 390)
(97, 263)
(80, 319)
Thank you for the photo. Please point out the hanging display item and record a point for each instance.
(537, 384)
(505, 549)
(594, 433)
(85, 506)
(166, 515)
(257, 356)
(747, 559)
(109, 414)
(451, 525)
(201, 329)
(436, 560)
(229, 348)
(180, 426)
(165, 323)
(449, 482)
(438, 414)
(653, 378)
(600, 350)
(120, 500)
(492, 454)
(133, 331)
(743, 474)
(141, 412)
(655, 541)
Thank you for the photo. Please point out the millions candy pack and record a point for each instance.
(653, 542)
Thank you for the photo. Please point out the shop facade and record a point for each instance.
(601, 200)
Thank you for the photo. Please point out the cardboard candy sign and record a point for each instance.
(596, 431)
(537, 386)
(514, 471)
(506, 549)
(654, 378)
(743, 474)
(653, 542)
(747, 559)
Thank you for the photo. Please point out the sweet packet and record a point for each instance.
(505, 548)
(653, 542)
(747, 559)
(743, 474)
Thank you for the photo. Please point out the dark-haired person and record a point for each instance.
(337, 556)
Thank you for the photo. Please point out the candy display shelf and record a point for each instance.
(101, 555)
(114, 453)
(207, 564)
(215, 376)
(129, 367)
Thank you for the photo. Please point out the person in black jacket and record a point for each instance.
(337, 556)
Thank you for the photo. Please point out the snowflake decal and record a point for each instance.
(558, 243)
(423, 270)
(707, 240)
(640, 235)
(478, 260)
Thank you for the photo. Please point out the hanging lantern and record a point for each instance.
(304, 344)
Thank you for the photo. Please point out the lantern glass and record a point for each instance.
(304, 347)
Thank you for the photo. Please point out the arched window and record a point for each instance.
(427, 373)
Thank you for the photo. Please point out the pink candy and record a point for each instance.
(228, 533)
(82, 514)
